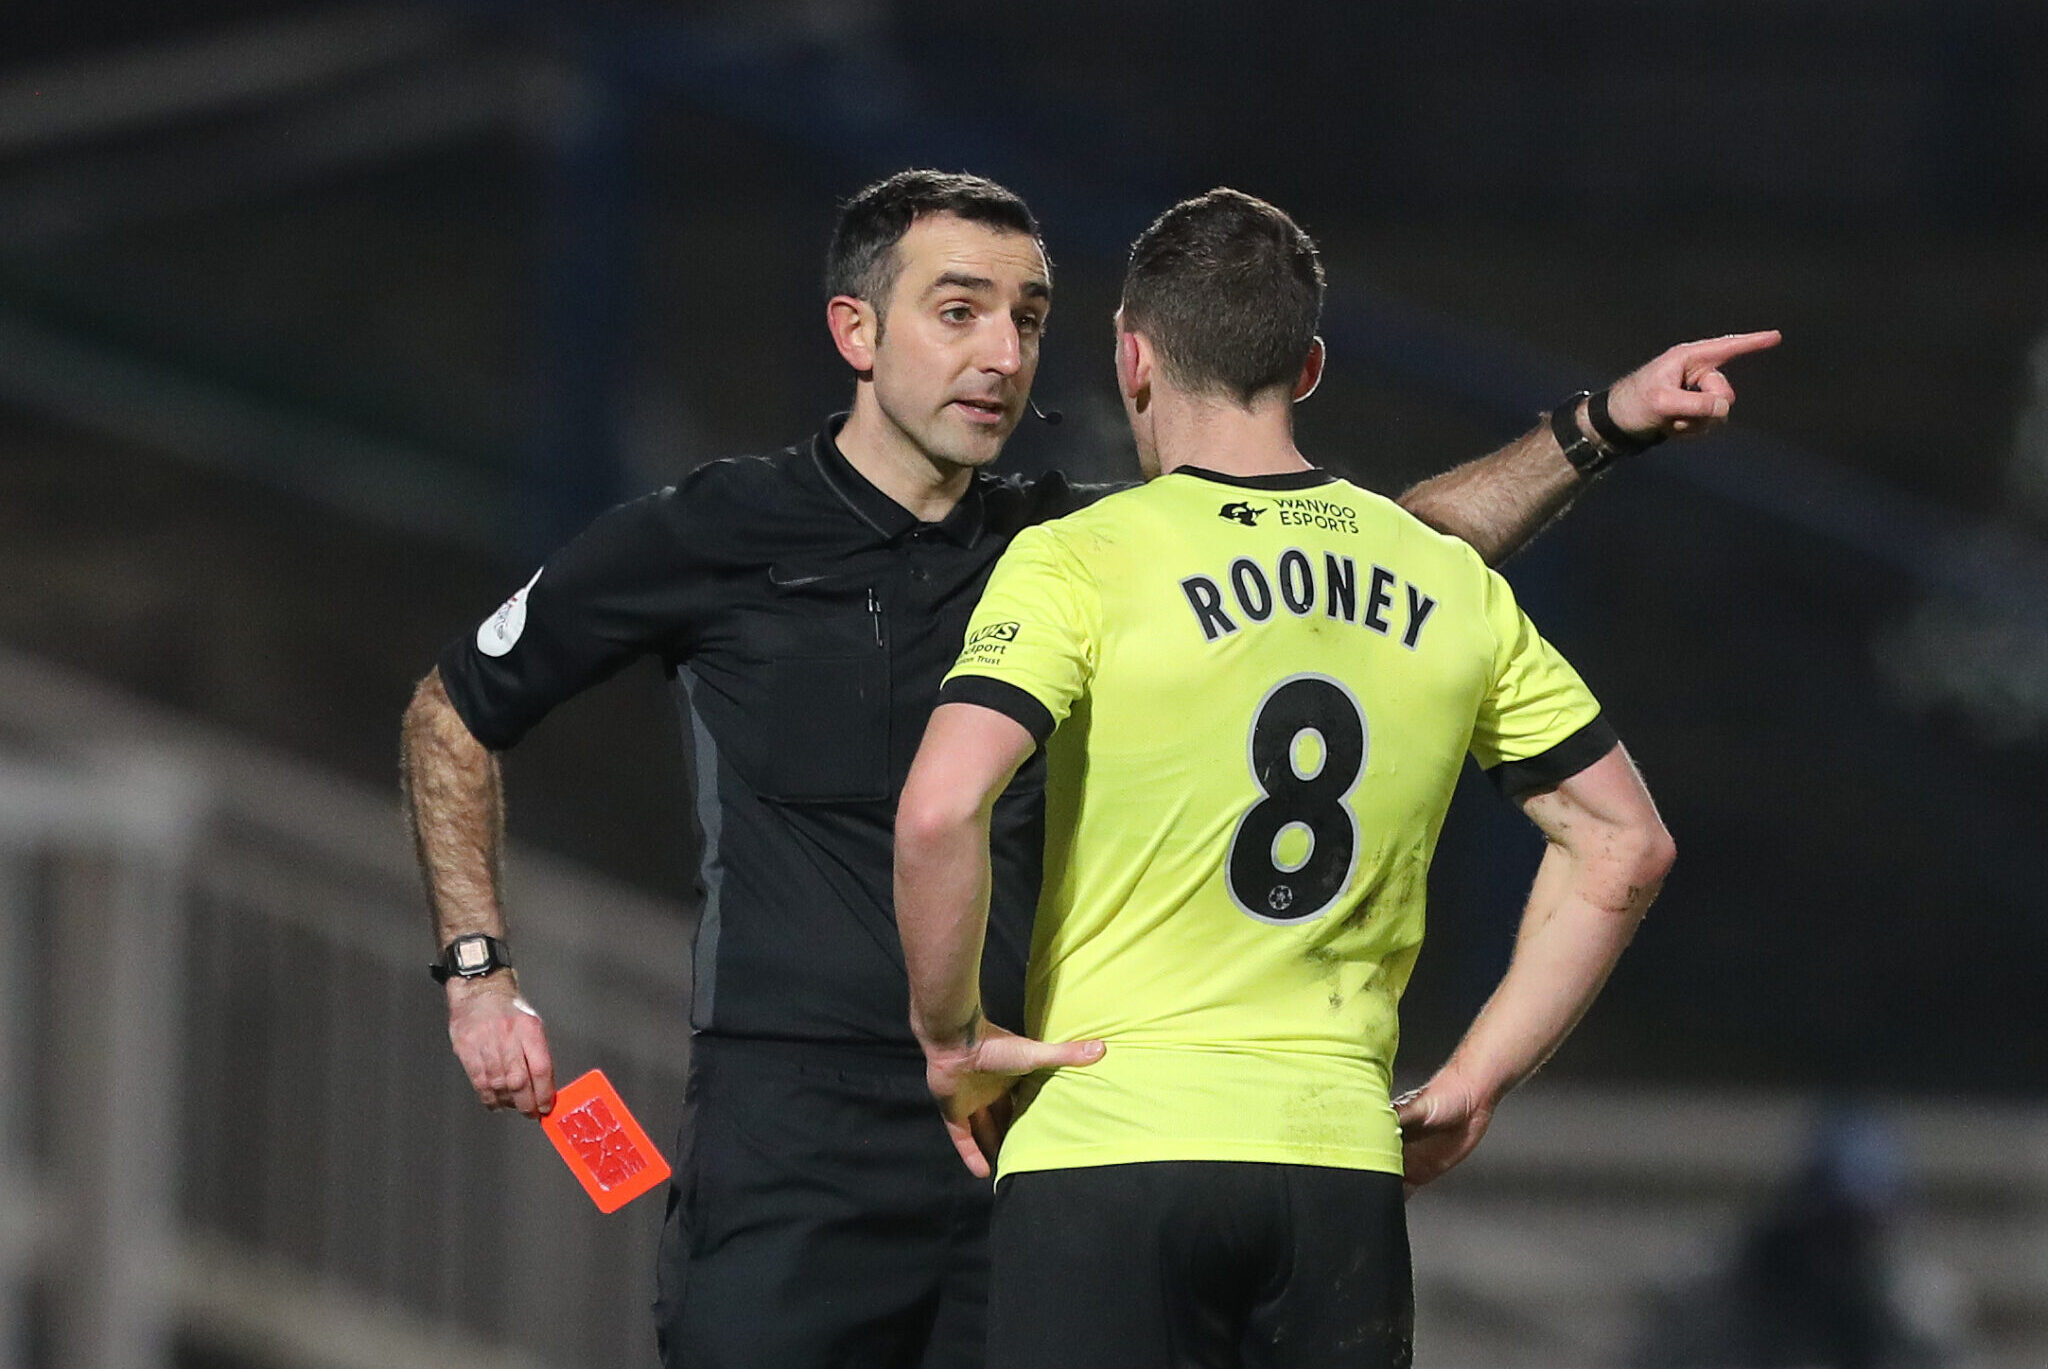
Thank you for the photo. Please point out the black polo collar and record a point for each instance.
(1282, 480)
(888, 518)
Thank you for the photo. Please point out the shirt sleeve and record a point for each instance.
(1539, 724)
(627, 585)
(1030, 647)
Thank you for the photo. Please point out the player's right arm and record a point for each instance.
(1606, 857)
(966, 760)
(455, 799)
(1027, 657)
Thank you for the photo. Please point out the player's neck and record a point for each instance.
(885, 455)
(1224, 437)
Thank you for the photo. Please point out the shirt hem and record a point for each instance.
(1258, 1152)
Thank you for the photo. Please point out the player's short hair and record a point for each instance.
(863, 262)
(1230, 291)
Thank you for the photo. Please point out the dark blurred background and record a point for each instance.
(320, 324)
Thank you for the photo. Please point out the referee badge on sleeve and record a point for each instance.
(498, 633)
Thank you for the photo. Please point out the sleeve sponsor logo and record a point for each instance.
(499, 633)
(986, 644)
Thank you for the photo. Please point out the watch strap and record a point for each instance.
(1623, 443)
(1588, 455)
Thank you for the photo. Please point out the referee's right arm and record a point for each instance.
(456, 801)
(633, 582)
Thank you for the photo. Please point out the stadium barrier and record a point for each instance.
(243, 1129)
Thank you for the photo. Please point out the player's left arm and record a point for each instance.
(967, 759)
(1500, 502)
(1606, 858)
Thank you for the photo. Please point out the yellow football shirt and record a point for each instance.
(1256, 696)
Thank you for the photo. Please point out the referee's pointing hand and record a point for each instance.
(972, 1085)
(1681, 392)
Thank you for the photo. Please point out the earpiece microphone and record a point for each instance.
(1050, 417)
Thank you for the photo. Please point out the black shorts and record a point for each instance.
(819, 1218)
(1200, 1263)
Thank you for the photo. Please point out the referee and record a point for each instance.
(806, 605)
(1254, 685)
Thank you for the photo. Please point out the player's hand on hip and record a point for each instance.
(972, 1083)
(1441, 1122)
(501, 1043)
(1682, 392)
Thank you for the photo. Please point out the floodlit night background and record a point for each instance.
(321, 323)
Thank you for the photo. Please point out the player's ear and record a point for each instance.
(1133, 362)
(1311, 371)
(856, 330)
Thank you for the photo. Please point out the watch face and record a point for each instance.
(472, 953)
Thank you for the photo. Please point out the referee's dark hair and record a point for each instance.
(862, 260)
(1230, 291)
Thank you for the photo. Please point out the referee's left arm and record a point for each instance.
(1498, 503)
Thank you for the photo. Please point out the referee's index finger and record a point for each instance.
(1715, 350)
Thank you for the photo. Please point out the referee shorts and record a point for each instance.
(819, 1218)
(1192, 1263)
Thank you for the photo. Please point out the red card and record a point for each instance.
(605, 1147)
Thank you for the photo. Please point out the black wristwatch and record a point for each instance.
(1589, 455)
(470, 957)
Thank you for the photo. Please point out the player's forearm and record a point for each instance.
(455, 800)
(942, 889)
(1499, 502)
(1582, 911)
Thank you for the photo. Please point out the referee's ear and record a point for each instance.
(856, 330)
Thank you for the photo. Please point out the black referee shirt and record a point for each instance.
(806, 620)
